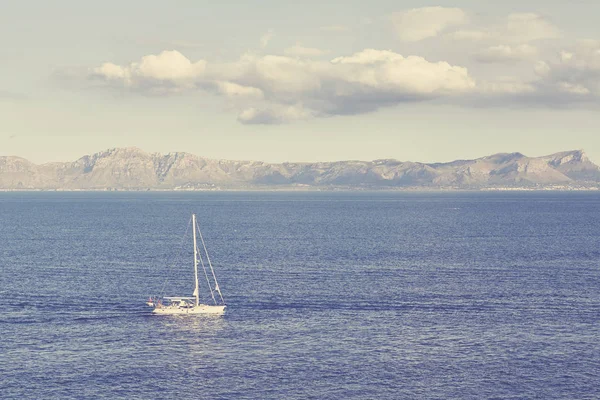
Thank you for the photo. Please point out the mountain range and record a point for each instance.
(134, 169)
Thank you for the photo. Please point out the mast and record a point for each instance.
(196, 292)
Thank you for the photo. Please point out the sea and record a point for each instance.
(330, 295)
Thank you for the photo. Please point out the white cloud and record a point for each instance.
(279, 89)
(111, 71)
(515, 28)
(169, 65)
(274, 114)
(362, 82)
(266, 38)
(505, 86)
(301, 51)
(573, 88)
(505, 53)
(286, 76)
(574, 72)
(231, 89)
(169, 71)
(388, 72)
(541, 68)
(422, 23)
(369, 57)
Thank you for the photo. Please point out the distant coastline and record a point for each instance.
(131, 169)
(317, 189)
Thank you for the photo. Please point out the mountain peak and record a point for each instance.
(564, 157)
(122, 151)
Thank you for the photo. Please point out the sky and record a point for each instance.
(280, 80)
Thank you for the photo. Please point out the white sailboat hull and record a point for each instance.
(187, 305)
(200, 309)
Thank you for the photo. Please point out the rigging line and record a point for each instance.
(162, 289)
(209, 263)
(206, 275)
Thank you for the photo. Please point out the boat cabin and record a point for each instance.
(179, 302)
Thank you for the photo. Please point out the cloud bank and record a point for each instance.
(300, 84)
(504, 53)
(291, 88)
(574, 72)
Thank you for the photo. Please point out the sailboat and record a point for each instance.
(191, 304)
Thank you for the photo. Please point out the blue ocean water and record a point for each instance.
(330, 296)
